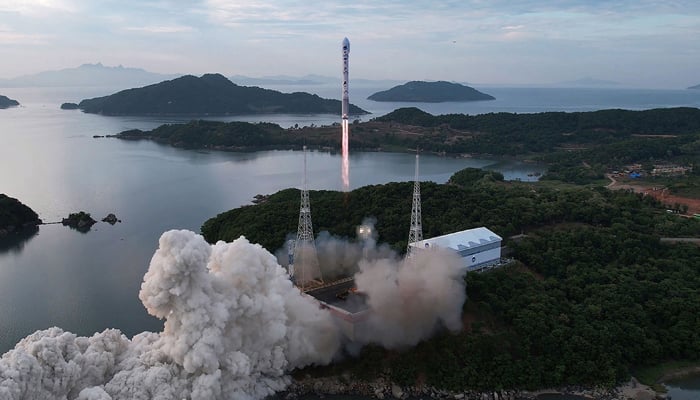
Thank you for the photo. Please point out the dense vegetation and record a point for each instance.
(516, 134)
(81, 221)
(578, 147)
(213, 134)
(210, 94)
(6, 102)
(592, 294)
(15, 215)
(430, 92)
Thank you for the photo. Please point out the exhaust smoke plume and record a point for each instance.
(234, 323)
(234, 326)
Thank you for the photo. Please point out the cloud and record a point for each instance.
(161, 29)
(39, 8)
(10, 37)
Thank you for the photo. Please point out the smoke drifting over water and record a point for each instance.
(234, 324)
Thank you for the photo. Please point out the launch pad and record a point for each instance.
(348, 307)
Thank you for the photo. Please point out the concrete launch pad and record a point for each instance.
(348, 307)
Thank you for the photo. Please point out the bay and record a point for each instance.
(86, 283)
(89, 282)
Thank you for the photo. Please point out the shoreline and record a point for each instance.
(382, 388)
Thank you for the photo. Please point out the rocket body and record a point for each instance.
(346, 98)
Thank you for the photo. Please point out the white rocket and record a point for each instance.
(346, 101)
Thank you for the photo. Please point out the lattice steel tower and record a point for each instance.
(305, 269)
(416, 232)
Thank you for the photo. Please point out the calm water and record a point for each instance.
(88, 282)
(687, 388)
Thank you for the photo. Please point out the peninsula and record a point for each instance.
(588, 258)
(6, 102)
(695, 87)
(14, 215)
(210, 94)
(430, 92)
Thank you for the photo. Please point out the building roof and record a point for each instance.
(462, 240)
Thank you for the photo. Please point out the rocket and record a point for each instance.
(346, 101)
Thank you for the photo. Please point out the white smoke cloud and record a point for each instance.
(234, 326)
(412, 298)
(409, 299)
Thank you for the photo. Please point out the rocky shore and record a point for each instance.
(382, 388)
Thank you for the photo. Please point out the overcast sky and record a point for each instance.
(636, 42)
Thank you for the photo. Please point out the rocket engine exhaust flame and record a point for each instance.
(345, 110)
(346, 156)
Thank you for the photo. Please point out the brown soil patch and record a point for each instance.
(661, 195)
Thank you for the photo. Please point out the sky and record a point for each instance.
(640, 43)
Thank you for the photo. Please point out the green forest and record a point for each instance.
(210, 94)
(592, 294)
(577, 147)
(14, 214)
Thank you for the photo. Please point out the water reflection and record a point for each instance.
(15, 241)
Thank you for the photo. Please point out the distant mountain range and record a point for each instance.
(430, 92)
(694, 87)
(6, 102)
(89, 75)
(211, 94)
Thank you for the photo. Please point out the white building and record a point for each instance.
(479, 247)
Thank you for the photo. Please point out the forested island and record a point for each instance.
(578, 147)
(430, 92)
(593, 296)
(69, 106)
(6, 102)
(15, 216)
(210, 94)
(81, 221)
(694, 87)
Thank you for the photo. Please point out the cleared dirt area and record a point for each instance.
(658, 193)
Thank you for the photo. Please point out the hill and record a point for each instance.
(694, 87)
(209, 94)
(15, 215)
(6, 102)
(430, 92)
(591, 280)
(88, 75)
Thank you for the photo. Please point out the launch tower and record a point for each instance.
(304, 268)
(416, 232)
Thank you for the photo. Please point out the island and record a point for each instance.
(6, 102)
(695, 87)
(430, 92)
(80, 221)
(593, 295)
(69, 106)
(15, 216)
(210, 94)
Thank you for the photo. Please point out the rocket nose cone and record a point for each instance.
(346, 43)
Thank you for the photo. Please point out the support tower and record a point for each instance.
(305, 270)
(416, 233)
